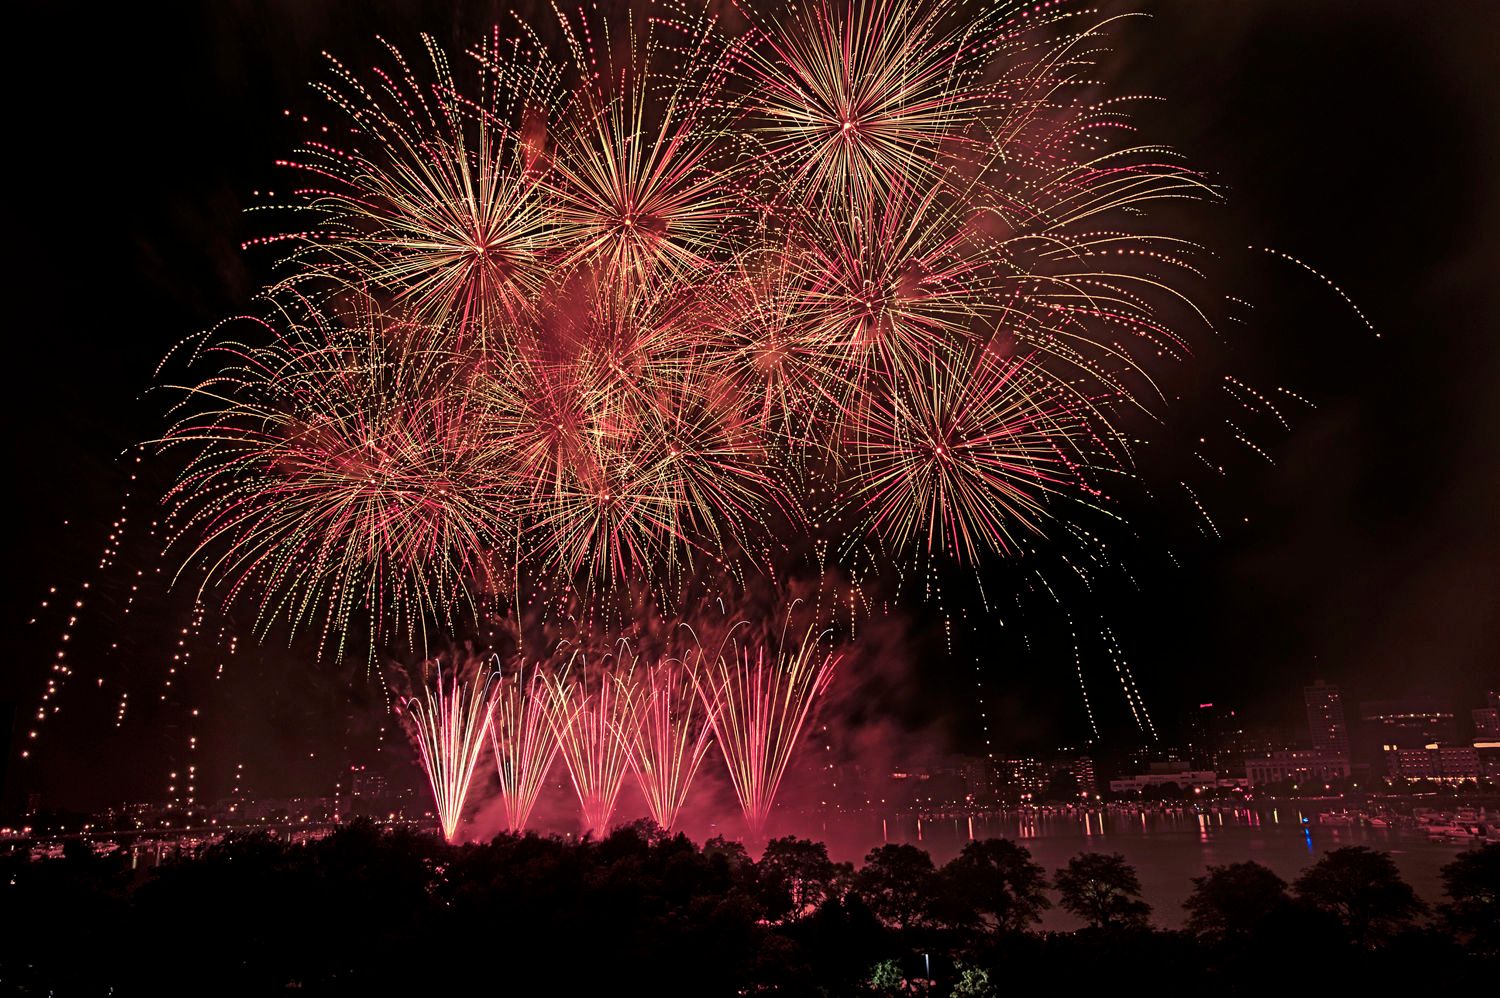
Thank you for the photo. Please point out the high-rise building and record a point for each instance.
(1487, 724)
(1017, 779)
(1244, 741)
(1083, 773)
(977, 778)
(1325, 719)
(1203, 736)
(368, 791)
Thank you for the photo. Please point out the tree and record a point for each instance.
(729, 852)
(1472, 882)
(1363, 888)
(796, 876)
(1234, 900)
(973, 982)
(897, 882)
(995, 881)
(1103, 890)
(886, 978)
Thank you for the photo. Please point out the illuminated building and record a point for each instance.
(1186, 780)
(1445, 764)
(1083, 773)
(1325, 719)
(1296, 766)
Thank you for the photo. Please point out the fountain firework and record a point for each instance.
(671, 729)
(761, 700)
(589, 718)
(523, 743)
(451, 722)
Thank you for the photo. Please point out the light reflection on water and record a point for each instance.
(1167, 848)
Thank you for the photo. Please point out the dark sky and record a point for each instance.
(1361, 136)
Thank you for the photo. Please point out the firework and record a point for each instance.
(760, 699)
(892, 289)
(589, 717)
(643, 189)
(853, 97)
(762, 340)
(956, 462)
(670, 732)
(696, 284)
(450, 723)
(523, 743)
(440, 197)
(858, 285)
(637, 205)
(342, 473)
(631, 452)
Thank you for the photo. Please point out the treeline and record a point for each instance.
(371, 912)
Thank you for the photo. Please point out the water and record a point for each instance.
(1167, 849)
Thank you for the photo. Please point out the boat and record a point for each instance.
(1458, 831)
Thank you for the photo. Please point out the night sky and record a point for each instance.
(1361, 136)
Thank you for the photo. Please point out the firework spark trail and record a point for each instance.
(671, 729)
(761, 700)
(523, 743)
(590, 721)
(451, 723)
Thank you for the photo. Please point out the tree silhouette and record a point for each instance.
(898, 883)
(1103, 890)
(1234, 900)
(796, 876)
(1363, 888)
(1472, 883)
(994, 882)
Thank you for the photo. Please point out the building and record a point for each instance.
(1210, 729)
(1083, 774)
(1242, 741)
(1325, 720)
(1018, 779)
(1410, 722)
(369, 791)
(1445, 764)
(1185, 780)
(1296, 766)
(1486, 724)
(1389, 727)
(977, 778)
(1487, 736)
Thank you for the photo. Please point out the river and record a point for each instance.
(1167, 848)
